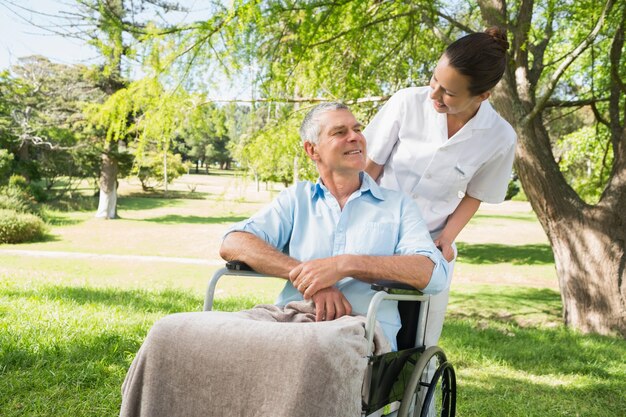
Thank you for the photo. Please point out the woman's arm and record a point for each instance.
(373, 169)
(456, 222)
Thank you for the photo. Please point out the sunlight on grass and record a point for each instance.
(69, 354)
(70, 326)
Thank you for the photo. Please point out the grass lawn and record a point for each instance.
(70, 325)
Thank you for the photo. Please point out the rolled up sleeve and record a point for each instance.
(273, 223)
(414, 239)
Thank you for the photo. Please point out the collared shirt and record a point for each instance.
(410, 139)
(306, 222)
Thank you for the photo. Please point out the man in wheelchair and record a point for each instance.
(329, 240)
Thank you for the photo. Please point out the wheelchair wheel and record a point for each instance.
(431, 390)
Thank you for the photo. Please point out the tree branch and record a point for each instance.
(575, 103)
(617, 91)
(371, 99)
(571, 57)
(538, 50)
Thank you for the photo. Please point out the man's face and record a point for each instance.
(341, 145)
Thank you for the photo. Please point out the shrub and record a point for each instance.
(150, 169)
(16, 199)
(6, 162)
(18, 181)
(20, 227)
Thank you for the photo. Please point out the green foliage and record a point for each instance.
(45, 129)
(6, 162)
(335, 48)
(21, 196)
(151, 173)
(206, 134)
(585, 159)
(20, 227)
(512, 189)
(142, 113)
(272, 152)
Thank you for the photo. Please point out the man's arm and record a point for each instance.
(414, 270)
(330, 303)
(257, 253)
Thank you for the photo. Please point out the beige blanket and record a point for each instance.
(267, 361)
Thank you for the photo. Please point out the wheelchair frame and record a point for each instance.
(393, 377)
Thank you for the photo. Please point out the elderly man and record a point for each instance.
(342, 233)
(307, 355)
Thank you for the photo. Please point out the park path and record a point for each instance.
(81, 255)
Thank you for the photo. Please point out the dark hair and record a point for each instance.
(481, 57)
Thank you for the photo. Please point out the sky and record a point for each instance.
(19, 38)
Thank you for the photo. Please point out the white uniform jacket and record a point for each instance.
(410, 139)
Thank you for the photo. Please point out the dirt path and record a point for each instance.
(88, 256)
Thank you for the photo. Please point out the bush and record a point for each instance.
(20, 227)
(6, 162)
(150, 169)
(17, 199)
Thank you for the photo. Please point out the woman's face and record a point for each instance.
(450, 91)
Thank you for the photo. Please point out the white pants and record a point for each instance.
(437, 310)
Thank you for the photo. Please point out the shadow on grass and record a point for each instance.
(477, 327)
(54, 220)
(493, 253)
(165, 301)
(177, 219)
(501, 396)
(170, 195)
(520, 217)
(144, 203)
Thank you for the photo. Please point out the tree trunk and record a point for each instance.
(588, 242)
(589, 255)
(107, 205)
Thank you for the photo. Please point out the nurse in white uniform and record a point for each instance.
(446, 146)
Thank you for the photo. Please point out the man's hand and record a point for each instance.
(330, 304)
(312, 276)
(446, 249)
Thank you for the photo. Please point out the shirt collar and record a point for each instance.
(367, 185)
(484, 118)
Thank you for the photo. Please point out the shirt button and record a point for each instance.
(428, 176)
(461, 194)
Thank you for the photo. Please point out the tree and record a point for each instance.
(43, 123)
(564, 54)
(588, 240)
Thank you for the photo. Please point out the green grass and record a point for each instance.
(70, 327)
(493, 253)
(514, 358)
(65, 349)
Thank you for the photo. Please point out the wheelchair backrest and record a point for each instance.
(409, 314)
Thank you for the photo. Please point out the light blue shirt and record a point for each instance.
(306, 222)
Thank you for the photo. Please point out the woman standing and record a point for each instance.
(446, 146)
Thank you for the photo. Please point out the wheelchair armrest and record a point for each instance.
(233, 268)
(393, 287)
(238, 266)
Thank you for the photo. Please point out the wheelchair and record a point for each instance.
(415, 380)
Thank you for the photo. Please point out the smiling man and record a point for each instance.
(306, 356)
(341, 233)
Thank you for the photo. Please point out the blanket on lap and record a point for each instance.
(267, 361)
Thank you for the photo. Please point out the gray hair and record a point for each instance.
(310, 128)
